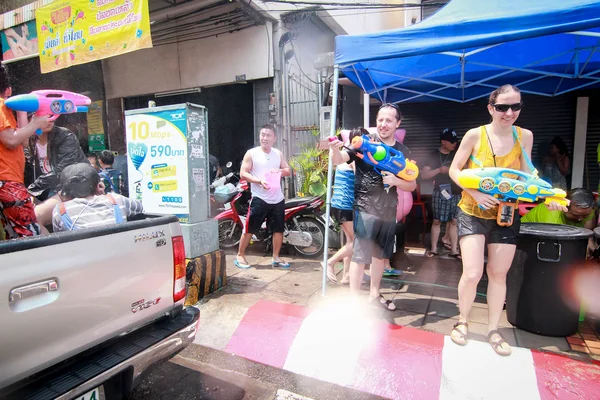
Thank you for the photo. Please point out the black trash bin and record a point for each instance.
(535, 296)
(596, 318)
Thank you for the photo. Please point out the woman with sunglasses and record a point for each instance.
(497, 144)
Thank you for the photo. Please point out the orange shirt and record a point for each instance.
(12, 161)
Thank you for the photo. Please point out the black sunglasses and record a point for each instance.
(384, 105)
(504, 107)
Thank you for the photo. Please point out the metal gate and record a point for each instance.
(303, 100)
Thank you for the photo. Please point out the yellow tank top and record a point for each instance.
(485, 158)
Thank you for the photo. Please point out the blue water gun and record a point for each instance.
(385, 158)
(49, 102)
(511, 185)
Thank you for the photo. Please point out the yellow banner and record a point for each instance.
(79, 31)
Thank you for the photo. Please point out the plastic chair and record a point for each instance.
(419, 203)
(524, 208)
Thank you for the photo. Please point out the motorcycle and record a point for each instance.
(303, 226)
(229, 177)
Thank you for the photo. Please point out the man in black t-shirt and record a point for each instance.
(374, 207)
(446, 194)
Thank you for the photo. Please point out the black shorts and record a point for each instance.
(260, 210)
(494, 233)
(373, 237)
(342, 216)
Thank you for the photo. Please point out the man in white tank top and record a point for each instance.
(267, 198)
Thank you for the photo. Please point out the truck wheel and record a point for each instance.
(317, 231)
(230, 233)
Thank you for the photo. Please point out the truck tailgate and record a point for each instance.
(84, 288)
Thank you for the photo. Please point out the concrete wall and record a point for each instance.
(195, 63)
(356, 22)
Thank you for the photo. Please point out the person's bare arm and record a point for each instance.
(22, 120)
(428, 173)
(284, 167)
(463, 153)
(11, 138)
(467, 145)
(590, 224)
(245, 171)
(527, 142)
(393, 180)
(337, 156)
(564, 165)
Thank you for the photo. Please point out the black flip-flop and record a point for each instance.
(380, 301)
(457, 256)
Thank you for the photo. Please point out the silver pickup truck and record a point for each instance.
(84, 313)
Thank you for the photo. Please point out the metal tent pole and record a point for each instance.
(334, 105)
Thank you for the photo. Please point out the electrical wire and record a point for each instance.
(207, 36)
(236, 20)
(300, 67)
(214, 19)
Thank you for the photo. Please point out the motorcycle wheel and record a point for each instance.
(316, 231)
(225, 227)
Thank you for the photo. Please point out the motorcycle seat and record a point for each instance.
(298, 201)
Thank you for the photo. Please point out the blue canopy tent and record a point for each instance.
(470, 47)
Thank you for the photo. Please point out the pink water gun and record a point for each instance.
(49, 102)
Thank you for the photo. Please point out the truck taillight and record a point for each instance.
(178, 268)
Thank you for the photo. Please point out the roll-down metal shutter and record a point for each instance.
(546, 117)
(591, 175)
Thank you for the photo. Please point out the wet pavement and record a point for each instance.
(270, 331)
(203, 373)
(428, 300)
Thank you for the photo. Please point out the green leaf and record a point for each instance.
(317, 189)
(315, 178)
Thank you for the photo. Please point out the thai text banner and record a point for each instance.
(80, 31)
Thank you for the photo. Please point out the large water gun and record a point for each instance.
(385, 158)
(510, 185)
(49, 102)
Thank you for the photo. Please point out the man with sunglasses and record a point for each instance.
(375, 201)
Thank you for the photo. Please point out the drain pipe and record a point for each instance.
(284, 107)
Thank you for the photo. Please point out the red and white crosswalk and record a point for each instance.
(342, 346)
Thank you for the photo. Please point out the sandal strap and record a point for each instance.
(495, 331)
(462, 335)
(496, 344)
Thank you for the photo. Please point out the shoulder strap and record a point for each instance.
(516, 135)
(66, 220)
(116, 209)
